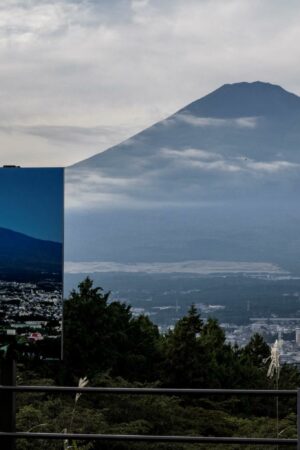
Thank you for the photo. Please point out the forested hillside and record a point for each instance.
(104, 342)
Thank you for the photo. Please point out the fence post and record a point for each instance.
(298, 418)
(7, 402)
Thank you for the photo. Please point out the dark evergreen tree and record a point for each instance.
(88, 329)
(103, 336)
(257, 350)
(184, 355)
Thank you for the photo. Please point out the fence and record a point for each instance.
(8, 435)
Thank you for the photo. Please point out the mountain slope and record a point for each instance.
(266, 107)
(219, 179)
(25, 258)
(246, 100)
(245, 135)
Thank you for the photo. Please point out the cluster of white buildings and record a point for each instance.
(285, 329)
(29, 306)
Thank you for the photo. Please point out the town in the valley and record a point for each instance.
(286, 330)
(32, 310)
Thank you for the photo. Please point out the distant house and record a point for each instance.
(34, 337)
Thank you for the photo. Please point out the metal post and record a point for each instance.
(298, 418)
(7, 402)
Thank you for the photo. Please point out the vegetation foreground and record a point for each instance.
(104, 342)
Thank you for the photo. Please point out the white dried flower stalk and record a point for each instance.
(274, 367)
(83, 382)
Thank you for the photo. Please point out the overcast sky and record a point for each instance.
(78, 76)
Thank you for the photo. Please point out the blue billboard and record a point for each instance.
(31, 258)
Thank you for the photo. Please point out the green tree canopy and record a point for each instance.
(104, 336)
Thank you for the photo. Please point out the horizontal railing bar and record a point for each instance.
(151, 391)
(150, 438)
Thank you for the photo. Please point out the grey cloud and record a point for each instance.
(242, 165)
(94, 189)
(48, 142)
(211, 161)
(239, 122)
(189, 153)
(271, 166)
(137, 5)
(196, 267)
(129, 63)
(65, 133)
(190, 175)
(221, 165)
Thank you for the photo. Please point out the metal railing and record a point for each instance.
(9, 436)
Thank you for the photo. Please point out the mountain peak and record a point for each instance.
(245, 99)
(253, 85)
(271, 132)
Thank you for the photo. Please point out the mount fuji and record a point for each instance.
(217, 180)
